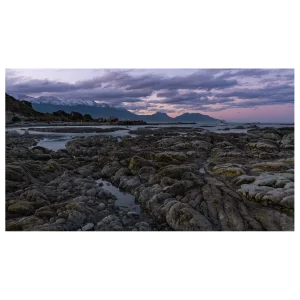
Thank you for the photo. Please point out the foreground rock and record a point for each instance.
(246, 182)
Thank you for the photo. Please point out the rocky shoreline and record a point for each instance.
(182, 178)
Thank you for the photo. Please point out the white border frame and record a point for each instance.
(130, 67)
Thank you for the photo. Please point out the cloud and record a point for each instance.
(248, 72)
(122, 79)
(110, 93)
(200, 81)
(275, 93)
(202, 90)
(138, 105)
(20, 84)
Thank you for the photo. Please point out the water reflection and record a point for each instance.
(124, 200)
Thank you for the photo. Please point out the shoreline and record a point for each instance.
(49, 124)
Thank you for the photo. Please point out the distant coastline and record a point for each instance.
(34, 124)
(171, 123)
(54, 123)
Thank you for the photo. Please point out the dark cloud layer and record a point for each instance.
(207, 90)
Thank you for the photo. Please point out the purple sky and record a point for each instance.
(246, 95)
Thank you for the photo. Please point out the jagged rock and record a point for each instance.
(229, 170)
(137, 163)
(244, 179)
(182, 217)
(175, 171)
(87, 227)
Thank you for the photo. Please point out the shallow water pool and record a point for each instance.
(124, 200)
(54, 144)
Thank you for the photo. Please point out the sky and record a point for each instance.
(237, 95)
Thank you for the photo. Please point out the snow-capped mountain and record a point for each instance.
(41, 99)
(56, 101)
(48, 99)
(22, 97)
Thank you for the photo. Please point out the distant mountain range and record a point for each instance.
(49, 104)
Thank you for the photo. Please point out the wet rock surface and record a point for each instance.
(246, 181)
